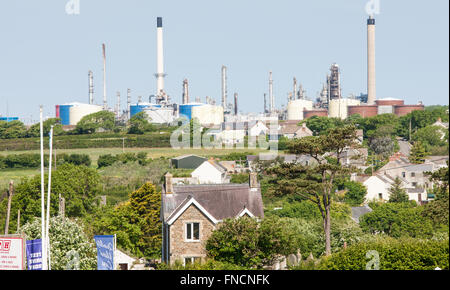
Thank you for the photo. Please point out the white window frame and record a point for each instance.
(192, 258)
(191, 225)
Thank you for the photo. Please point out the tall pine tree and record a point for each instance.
(397, 193)
(418, 153)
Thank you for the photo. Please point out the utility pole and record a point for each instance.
(18, 220)
(8, 213)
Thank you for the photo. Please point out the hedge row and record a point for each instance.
(393, 254)
(33, 160)
(89, 141)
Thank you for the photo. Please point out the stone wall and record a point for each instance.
(179, 247)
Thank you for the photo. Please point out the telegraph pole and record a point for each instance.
(8, 213)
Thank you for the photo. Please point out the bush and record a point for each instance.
(66, 237)
(402, 254)
(398, 220)
(106, 160)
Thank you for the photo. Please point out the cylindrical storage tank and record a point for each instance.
(317, 112)
(363, 110)
(139, 107)
(389, 102)
(385, 110)
(160, 115)
(186, 109)
(338, 108)
(406, 109)
(64, 114)
(78, 111)
(208, 114)
(296, 107)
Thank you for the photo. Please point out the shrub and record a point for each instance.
(402, 254)
(106, 160)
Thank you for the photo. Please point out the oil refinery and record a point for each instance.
(161, 109)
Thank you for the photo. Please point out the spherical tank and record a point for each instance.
(296, 107)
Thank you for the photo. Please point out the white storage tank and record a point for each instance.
(295, 108)
(338, 108)
(78, 110)
(160, 115)
(208, 114)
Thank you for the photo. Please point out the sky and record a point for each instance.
(46, 53)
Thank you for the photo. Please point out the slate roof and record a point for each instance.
(359, 211)
(219, 200)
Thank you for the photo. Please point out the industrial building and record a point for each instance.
(72, 113)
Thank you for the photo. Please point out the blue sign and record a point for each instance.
(34, 254)
(105, 252)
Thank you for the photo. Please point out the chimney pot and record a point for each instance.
(253, 180)
(168, 183)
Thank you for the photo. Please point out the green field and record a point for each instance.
(94, 153)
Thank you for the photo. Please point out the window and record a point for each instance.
(380, 196)
(193, 231)
(413, 174)
(191, 260)
(404, 174)
(414, 184)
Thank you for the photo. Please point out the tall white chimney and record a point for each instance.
(371, 83)
(105, 104)
(160, 58)
(91, 87)
(271, 99)
(295, 89)
(129, 103)
(185, 91)
(224, 88)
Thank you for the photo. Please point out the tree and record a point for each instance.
(438, 209)
(139, 124)
(146, 203)
(79, 186)
(245, 242)
(382, 146)
(430, 136)
(34, 130)
(356, 193)
(317, 183)
(397, 193)
(320, 125)
(398, 220)
(70, 249)
(418, 153)
(100, 121)
(11, 130)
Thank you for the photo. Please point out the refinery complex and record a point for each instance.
(160, 108)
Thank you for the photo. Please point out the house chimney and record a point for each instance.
(253, 180)
(168, 183)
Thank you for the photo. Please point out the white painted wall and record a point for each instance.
(375, 186)
(206, 173)
(257, 129)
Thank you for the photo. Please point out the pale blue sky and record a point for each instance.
(45, 54)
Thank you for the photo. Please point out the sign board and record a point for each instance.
(12, 253)
(34, 254)
(105, 252)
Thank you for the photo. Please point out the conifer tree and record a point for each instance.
(418, 153)
(397, 193)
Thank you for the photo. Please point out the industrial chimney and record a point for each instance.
(224, 88)
(371, 84)
(105, 104)
(265, 103)
(295, 89)
(91, 87)
(185, 91)
(235, 104)
(129, 103)
(160, 58)
(118, 106)
(271, 99)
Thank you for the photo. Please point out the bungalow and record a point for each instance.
(190, 213)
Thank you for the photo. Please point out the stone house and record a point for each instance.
(190, 213)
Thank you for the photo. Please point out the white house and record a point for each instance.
(124, 261)
(257, 128)
(378, 187)
(210, 172)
